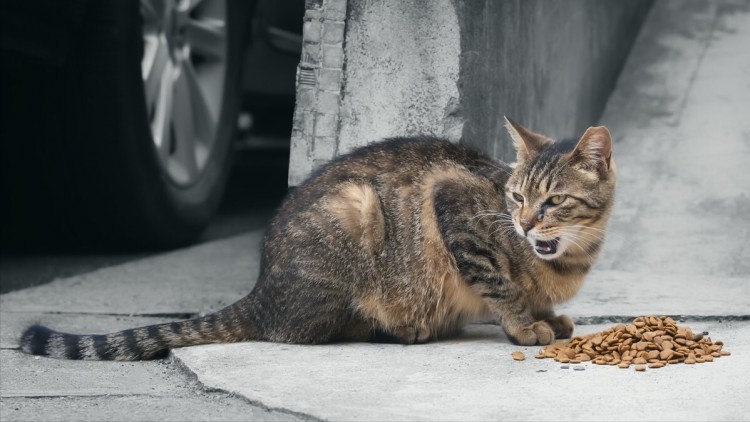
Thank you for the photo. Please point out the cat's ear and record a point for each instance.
(527, 143)
(594, 150)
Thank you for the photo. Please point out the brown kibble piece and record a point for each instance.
(518, 356)
(640, 368)
(666, 354)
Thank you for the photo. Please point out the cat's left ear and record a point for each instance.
(594, 150)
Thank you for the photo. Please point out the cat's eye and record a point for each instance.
(557, 199)
(517, 196)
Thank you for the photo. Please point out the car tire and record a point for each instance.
(133, 196)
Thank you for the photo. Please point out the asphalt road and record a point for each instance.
(257, 184)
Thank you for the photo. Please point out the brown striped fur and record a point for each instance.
(407, 240)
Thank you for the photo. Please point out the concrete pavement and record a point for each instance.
(172, 286)
(676, 246)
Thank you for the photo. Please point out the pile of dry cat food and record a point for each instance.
(648, 340)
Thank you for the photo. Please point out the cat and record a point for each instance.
(407, 240)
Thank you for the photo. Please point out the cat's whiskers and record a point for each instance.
(574, 238)
(505, 222)
(575, 241)
(499, 218)
(607, 232)
(582, 249)
(590, 237)
(482, 215)
(505, 228)
(486, 213)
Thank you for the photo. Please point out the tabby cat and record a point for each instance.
(407, 240)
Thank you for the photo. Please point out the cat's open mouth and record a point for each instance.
(546, 247)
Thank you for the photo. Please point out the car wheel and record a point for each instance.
(169, 83)
(118, 123)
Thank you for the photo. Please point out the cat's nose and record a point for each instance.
(526, 225)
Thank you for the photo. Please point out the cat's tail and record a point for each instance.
(231, 324)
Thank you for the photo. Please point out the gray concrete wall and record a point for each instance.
(549, 65)
(401, 70)
(378, 68)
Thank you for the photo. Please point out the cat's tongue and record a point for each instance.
(546, 247)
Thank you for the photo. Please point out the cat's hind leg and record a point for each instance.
(312, 312)
(359, 329)
(356, 330)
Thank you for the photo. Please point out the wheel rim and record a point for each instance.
(184, 71)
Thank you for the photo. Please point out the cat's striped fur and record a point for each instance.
(407, 239)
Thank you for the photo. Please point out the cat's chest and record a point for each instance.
(552, 285)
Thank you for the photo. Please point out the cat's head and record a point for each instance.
(561, 192)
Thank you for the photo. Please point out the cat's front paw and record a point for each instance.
(562, 326)
(537, 333)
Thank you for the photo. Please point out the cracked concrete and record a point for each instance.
(35, 388)
(472, 378)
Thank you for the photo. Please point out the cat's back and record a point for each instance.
(389, 163)
(365, 186)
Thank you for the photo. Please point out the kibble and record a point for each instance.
(653, 341)
(518, 356)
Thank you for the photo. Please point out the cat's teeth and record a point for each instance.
(546, 247)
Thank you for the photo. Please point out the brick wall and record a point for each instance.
(319, 83)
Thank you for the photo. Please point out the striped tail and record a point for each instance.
(150, 342)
